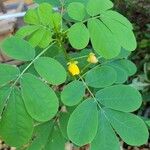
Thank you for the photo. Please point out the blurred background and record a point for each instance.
(137, 11)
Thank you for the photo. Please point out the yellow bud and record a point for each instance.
(73, 68)
(92, 58)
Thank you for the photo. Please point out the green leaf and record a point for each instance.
(8, 73)
(51, 70)
(127, 66)
(44, 13)
(76, 11)
(130, 128)
(122, 75)
(106, 138)
(73, 93)
(41, 133)
(4, 92)
(103, 41)
(56, 141)
(83, 123)
(121, 32)
(120, 97)
(39, 37)
(100, 77)
(31, 17)
(95, 7)
(52, 2)
(40, 100)
(18, 48)
(26, 31)
(118, 17)
(16, 123)
(78, 36)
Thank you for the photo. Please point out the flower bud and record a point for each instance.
(92, 58)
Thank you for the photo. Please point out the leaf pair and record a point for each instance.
(88, 124)
(108, 32)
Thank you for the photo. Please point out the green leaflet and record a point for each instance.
(4, 92)
(120, 97)
(16, 123)
(122, 75)
(56, 141)
(95, 7)
(121, 32)
(130, 128)
(26, 31)
(103, 41)
(118, 17)
(51, 70)
(76, 11)
(78, 36)
(73, 93)
(105, 138)
(44, 12)
(100, 77)
(8, 73)
(42, 133)
(128, 66)
(40, 100)
(79, 132)
(18, 48)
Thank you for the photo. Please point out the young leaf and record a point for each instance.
(26, 31)
(31, 17)
(83, 123)
(73, 93)
(16, 123)
(44, 13)
(40, 100)
(120, 97)
(130, 128)
(95, 7)
(51, 70)
(101, 76)
(106, 138)
(103, 41)
(18, 48)
(8, 73)
(4, 92)
(78, 36)
(76, 11)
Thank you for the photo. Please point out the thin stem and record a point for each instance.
(31, 64)
(79, 57)
(85, 67)
(96, 17)
(90, 91)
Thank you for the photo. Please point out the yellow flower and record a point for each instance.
(92, 58)
(73, 68)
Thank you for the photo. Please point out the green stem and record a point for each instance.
(31, 64)
(79, 57)
(96, 17)
(90, 92)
